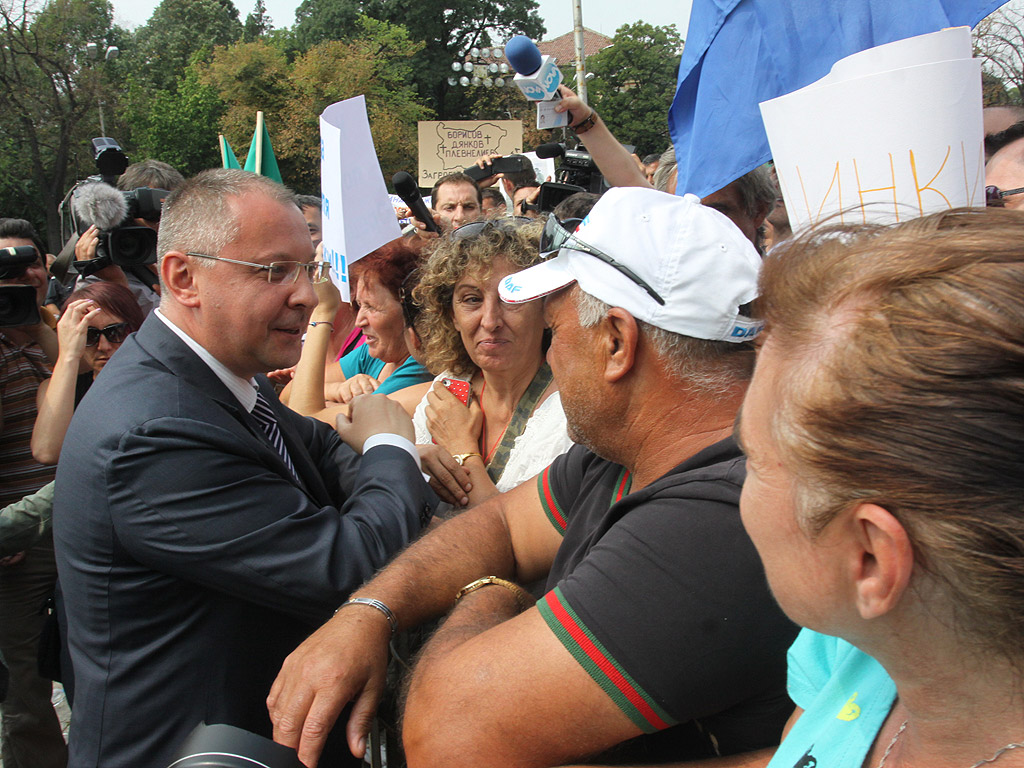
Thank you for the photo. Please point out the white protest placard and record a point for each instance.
(891, 133)
(357, 213)
(544, 167)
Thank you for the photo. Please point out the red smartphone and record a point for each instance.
(458, 387)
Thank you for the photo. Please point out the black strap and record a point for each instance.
(524, 410)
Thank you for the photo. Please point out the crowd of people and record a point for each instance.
(646, 479)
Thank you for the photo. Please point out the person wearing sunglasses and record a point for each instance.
(1004, 177)
(27, 352)
(96, 319)
(512, 426)
(657, 639)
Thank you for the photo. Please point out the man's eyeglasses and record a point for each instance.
(561, 234)
(281, 272)
(994, 196)
(115, 333)
(475, 228)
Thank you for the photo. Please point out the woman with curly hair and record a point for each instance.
(512, 425)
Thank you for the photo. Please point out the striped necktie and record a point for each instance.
(264, 415)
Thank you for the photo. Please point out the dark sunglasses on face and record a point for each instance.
(994, 196)
(562, 234)
(115, 334)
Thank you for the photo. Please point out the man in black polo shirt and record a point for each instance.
(657, 627)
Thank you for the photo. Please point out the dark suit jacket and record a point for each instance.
(191, 560)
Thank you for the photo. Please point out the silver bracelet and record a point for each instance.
(315, 323)
(373, 604)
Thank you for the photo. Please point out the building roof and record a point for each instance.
(563, 48)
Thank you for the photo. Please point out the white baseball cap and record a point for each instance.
(639, 245)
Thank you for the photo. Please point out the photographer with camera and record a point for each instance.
(31, 732)
(116, 244)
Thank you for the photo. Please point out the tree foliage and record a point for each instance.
(178, 125)
(317, 21)
(634, 83)
(445, 32)
(176, 31)
(257, 76)
(49, 93)
(999, 43)
(257, 23)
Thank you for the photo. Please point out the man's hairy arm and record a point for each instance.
(758, 759)
(345, 660)
(496, 688)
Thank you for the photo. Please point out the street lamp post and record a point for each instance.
(581, 69)
(481, 66)
(92, 50)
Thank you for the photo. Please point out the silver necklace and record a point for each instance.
(903, 727)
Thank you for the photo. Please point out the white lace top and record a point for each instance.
(544, 438)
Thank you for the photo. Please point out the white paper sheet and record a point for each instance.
(357, 213)
(874, 143)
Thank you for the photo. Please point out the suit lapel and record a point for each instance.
(166, 348)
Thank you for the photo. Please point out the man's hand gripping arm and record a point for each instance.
(345, 660)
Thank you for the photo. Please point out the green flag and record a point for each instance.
(261, 158)
(227, 155)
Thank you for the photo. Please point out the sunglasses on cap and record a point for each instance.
(475, 228)
(994, 196)
(115, 333)
(561, 234)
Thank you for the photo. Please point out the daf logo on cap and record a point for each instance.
(511, 286)
(746, 331)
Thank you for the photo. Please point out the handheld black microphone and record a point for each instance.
(407, 189)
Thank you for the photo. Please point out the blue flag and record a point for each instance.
(742, 52)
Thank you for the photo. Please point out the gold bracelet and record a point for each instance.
(522, 596)
(585, 125)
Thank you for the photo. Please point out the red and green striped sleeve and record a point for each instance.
(548, 501)
(606, 671)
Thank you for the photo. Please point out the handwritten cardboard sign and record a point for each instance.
(889, 134)
(450, 146)
(357, 213)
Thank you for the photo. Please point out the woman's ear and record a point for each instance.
(883, 561)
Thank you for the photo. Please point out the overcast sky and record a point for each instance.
(604, 16)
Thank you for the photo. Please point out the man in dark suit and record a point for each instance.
(202, 528)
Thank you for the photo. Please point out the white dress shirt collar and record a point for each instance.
(244, 390)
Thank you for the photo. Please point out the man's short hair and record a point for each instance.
(309, 201)
(20, 229)
(455, 178)
(648, 159)
(576, 206)
(490, 193)
(150, 173)
(758, 190)
(666, 170)
(524, 178)
(708, 367)
(197, 216)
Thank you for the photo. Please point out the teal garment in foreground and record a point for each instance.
(408, 373)
(846, 696)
